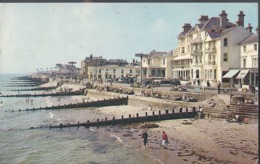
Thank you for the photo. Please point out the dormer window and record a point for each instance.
(213, 30)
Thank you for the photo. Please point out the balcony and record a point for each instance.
(180, 66)
(211, 50)
(197, 52)
(210, 63)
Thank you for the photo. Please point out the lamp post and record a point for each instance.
(141, 55)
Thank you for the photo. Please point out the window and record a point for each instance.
(182, 50)
(114, 71)
(225, 42)
(215, 74)
(255, 62)
(225, 57)
(244, 63)
(244, 48)
(197, 73)
(122, 71)
(130, 71)
(106, 70)
(191, 73)
(99, 71)
(163, 61)
(255, 47)
(149, 61)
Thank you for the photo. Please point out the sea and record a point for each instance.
(20, 144)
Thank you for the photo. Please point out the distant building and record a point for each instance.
(106, 72)
(90, 61)
(157, 64)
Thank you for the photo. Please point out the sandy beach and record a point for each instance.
(202, 141)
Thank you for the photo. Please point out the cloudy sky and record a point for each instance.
(40, 35)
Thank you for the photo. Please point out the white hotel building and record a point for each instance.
(210, 50)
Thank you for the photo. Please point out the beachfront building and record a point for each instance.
(209, 50)
(112, 72)
(249, 59)
(91, 61)
(157, 64)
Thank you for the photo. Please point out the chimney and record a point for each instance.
(256, 31)
(203, 19)
(249, 27)
(186, 27)
(240, 21)
(223, 19)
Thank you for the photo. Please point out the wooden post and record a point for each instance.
(180, 110)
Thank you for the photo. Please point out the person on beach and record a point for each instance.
(219, 84)
(145, 138)
(164, 139)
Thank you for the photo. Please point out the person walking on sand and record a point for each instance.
(164, 139)
(145, 138)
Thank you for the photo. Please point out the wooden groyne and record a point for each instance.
(74, 93)
(97, 103)
(35, 89)
(182, 113)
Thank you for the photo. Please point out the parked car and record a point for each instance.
(175, 82)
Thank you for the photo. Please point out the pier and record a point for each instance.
(180, 113)
(98, 103)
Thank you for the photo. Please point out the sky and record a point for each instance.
(40, 35)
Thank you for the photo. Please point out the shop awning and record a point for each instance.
(182, 57)
(242, 74)
(231, 73)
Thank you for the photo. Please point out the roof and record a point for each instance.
(157, 53)
(251, 39)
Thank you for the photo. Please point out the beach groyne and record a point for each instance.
(35, 89)
(71, 93)
(180, 113)
(97, 103)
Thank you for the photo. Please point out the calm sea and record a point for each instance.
(20, 144)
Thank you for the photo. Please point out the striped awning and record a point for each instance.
(231, 73)
(242, 74)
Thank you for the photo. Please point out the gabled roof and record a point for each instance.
(216, 21)
(156, 53)
(251, 39)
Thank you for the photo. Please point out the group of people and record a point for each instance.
(249, 101)
(28, 100)
(164, 142)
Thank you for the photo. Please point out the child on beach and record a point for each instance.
(164, 139)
